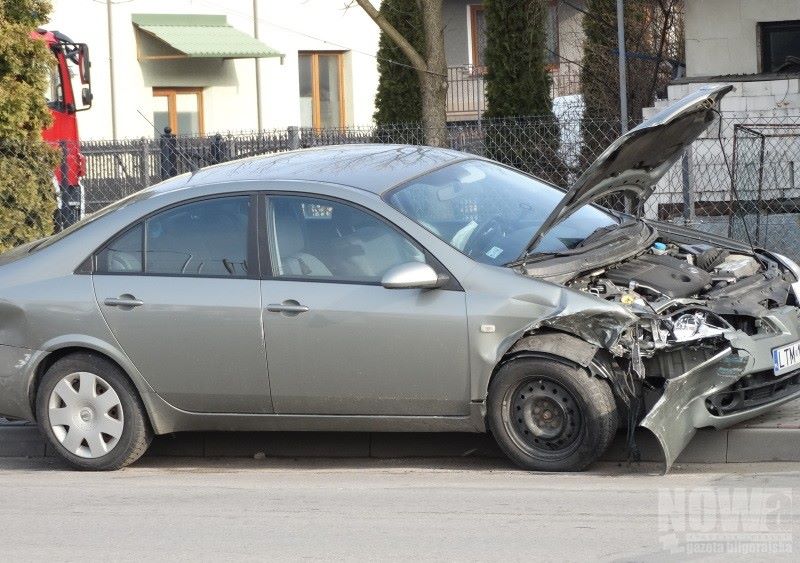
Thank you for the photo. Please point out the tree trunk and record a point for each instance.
(431, 68)
(434, 118)
(434, 84)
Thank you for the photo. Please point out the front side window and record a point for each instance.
(202, 238)
(490, 212)
(312, 238)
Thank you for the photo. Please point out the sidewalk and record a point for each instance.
(774, 436)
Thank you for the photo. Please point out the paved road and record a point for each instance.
(362, 509)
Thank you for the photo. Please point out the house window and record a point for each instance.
(779, 40)
(180, 109)
(477, 22)
(321, 89)
(477, 18)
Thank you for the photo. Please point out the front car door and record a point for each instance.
(180, 292)
(340, 343)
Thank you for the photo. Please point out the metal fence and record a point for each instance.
(743, 173)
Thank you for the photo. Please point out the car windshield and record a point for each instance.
(490, 212)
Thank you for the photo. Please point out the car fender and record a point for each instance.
(91, 343)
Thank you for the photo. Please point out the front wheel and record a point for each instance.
(550, 416)
(91, 414)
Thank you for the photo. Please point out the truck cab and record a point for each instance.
(70, 73)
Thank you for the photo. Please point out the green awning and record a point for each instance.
(197, 36)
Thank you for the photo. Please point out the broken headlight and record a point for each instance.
(687, 326)
(694, 325)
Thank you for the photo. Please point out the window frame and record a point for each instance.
(316, 116)
(477, 65)
(170, 93)
(253, 254)
(765, 30)
(265, 242)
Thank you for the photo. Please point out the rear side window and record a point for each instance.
(202, 238)
(123, 254)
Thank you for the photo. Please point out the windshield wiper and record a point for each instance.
(598, 234)
(533, 257)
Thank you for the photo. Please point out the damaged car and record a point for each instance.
(399, 288)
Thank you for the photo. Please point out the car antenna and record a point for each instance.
(734, 189)
(193, 168)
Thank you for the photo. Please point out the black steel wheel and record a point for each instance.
(550, 416)
(543, 417)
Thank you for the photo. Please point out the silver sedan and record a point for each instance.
(397, 288)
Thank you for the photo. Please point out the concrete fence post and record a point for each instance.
(294, 137)
(144, 165)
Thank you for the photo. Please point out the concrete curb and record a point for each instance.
(771, 437)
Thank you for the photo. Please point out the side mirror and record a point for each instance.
(86, 96)
(412, 275)
(84, 64)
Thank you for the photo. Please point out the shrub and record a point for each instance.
(27, 198)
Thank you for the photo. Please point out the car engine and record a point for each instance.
(691, 292)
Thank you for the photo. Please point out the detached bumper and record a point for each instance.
(718, 392)
(15, 371)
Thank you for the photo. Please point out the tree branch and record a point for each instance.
(408, 50)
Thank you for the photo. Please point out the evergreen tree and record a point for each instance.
(523, 133)
(27, 197)
(517, 81)
(398, 98)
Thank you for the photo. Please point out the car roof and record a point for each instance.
(371, 167)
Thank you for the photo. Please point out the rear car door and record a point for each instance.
(340, 343)
(180, 292)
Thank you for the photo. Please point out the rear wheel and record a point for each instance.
(549, 416)
(91, 414)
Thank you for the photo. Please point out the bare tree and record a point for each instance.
(431, 66)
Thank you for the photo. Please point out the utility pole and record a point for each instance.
(258, 68)
(623, 75)
(111, 71)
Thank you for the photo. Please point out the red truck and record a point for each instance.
(72, 68)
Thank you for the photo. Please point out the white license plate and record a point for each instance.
(786, 358)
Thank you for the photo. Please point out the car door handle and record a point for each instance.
(286, 308)
(123, 302)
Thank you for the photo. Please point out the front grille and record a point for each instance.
(753, 391)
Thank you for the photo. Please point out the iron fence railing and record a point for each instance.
(466, 88)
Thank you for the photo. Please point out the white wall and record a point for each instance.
(721, 35)
(229, 93)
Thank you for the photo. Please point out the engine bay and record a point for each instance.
(689, 292)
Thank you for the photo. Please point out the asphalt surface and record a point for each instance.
(367, 509)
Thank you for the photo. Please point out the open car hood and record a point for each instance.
(636, 161)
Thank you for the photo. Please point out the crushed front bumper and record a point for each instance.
(691, 399)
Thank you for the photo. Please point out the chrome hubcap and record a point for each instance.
(86, 415)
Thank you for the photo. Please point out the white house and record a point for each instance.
(745, 43)
(207, 66)
(755, 46)
(204, 66)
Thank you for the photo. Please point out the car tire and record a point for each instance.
(550, 416)
(91, 397)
